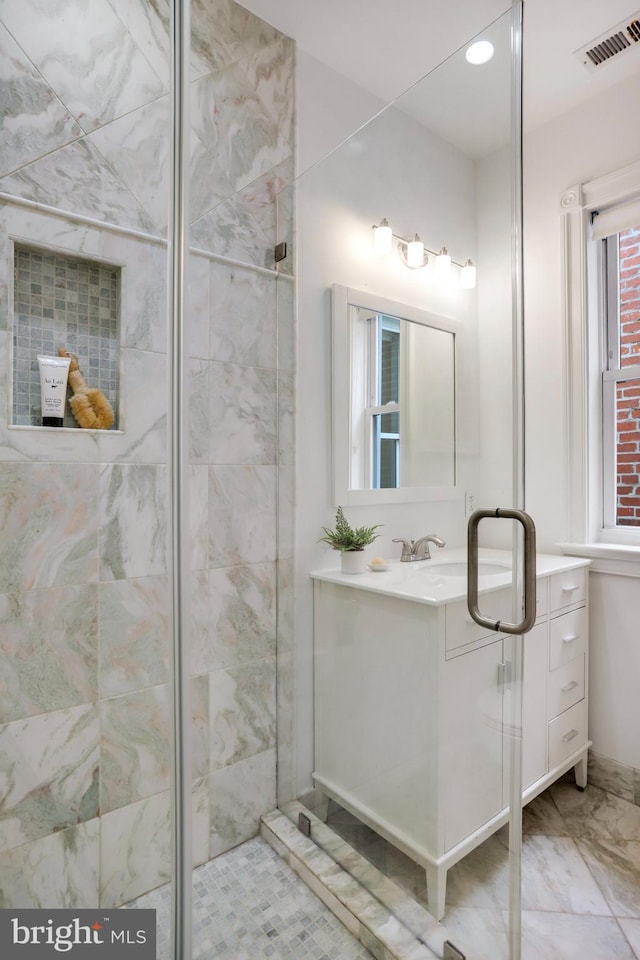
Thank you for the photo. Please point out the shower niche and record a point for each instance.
(62, 300)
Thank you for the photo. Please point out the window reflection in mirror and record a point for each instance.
(394, 398)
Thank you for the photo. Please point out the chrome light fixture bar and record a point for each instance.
(415, 255)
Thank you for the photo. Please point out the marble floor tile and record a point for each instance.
(596, 813)
(631, 930)
(541, 816)
(560, 936)
(616, 868)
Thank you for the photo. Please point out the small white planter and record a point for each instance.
(352, 561)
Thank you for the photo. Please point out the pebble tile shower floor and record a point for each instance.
(248, 904)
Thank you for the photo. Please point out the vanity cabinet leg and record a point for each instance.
(436, 889)
(580, 771)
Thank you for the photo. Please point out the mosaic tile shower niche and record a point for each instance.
(60, 300)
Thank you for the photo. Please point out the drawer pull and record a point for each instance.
(575, 586)
(569, 686)
(569, 736)
(570, 638)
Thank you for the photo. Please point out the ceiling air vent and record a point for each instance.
(615, 42)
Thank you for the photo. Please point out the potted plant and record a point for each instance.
(350, 542)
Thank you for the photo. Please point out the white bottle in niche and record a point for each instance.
(352, 561)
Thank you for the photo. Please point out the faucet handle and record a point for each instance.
(407, 548)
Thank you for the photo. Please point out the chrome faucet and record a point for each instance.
(418, 549)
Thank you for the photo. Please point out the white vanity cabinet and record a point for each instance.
(412, 700)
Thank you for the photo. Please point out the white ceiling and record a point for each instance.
(387, 47)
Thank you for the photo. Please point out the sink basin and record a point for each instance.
(459, 568)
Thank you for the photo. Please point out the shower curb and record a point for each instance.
(388, 932)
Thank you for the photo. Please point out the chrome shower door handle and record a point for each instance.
(529, 617)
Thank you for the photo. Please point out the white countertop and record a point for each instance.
(421, 581)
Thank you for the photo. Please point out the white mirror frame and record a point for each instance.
(342, 297)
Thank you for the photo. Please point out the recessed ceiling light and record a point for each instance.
(479, 52)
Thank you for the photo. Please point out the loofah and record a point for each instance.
(89, 406)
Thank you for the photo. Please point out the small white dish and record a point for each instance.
(378, 567)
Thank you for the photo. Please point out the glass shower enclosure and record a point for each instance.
(157, 651)
(408, 715)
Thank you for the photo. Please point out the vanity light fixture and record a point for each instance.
(415, 255)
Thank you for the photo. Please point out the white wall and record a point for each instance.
(591, 140)
(391, 168)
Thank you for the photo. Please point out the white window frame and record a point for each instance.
(586, 454)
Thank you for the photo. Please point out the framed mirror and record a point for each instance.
(394, 401)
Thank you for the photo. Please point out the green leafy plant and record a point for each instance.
(345, 537)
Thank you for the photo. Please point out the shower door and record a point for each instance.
(407, 712)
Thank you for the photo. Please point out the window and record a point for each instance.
(601, 247)
(383, 409)
(621, 380)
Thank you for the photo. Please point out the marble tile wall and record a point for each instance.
(84, 638)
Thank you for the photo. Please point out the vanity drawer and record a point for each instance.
(567, 733)
(461, 630)
(567, 637)
(567, 588)
(565, 687)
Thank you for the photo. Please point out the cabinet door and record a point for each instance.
(534, 705)
(471, 741)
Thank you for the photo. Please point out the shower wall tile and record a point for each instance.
(200, 821)
(143, 411)
(143, 311)
(200, 748)
(49, 776)
(286, 487)
(77, 179)
(133, 522)
(135, 754)
(149, 25)
(138, 147)
(285, 214)
(243, 316)
(48, 650)
(286, 415)
(286, 325)
(244, 226)
(225, 31)
(228, 115)
(242, 614)
(199, 515)
(200, 632)
(102, 500)
(199, 412)
(242, 423)
(242, 512)
(270, 70)
(33, 121)
(285, 683)
(239, 795)
(242, 711)
(57, 871)
(49, 523)
(197, 332)
(135, 853)
(209, 185)
(94, 66)
(134, 635)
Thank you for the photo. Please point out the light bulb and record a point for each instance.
(443, 264)
(382, 237)
(468, 276)
(415, 252)
(479, 52)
